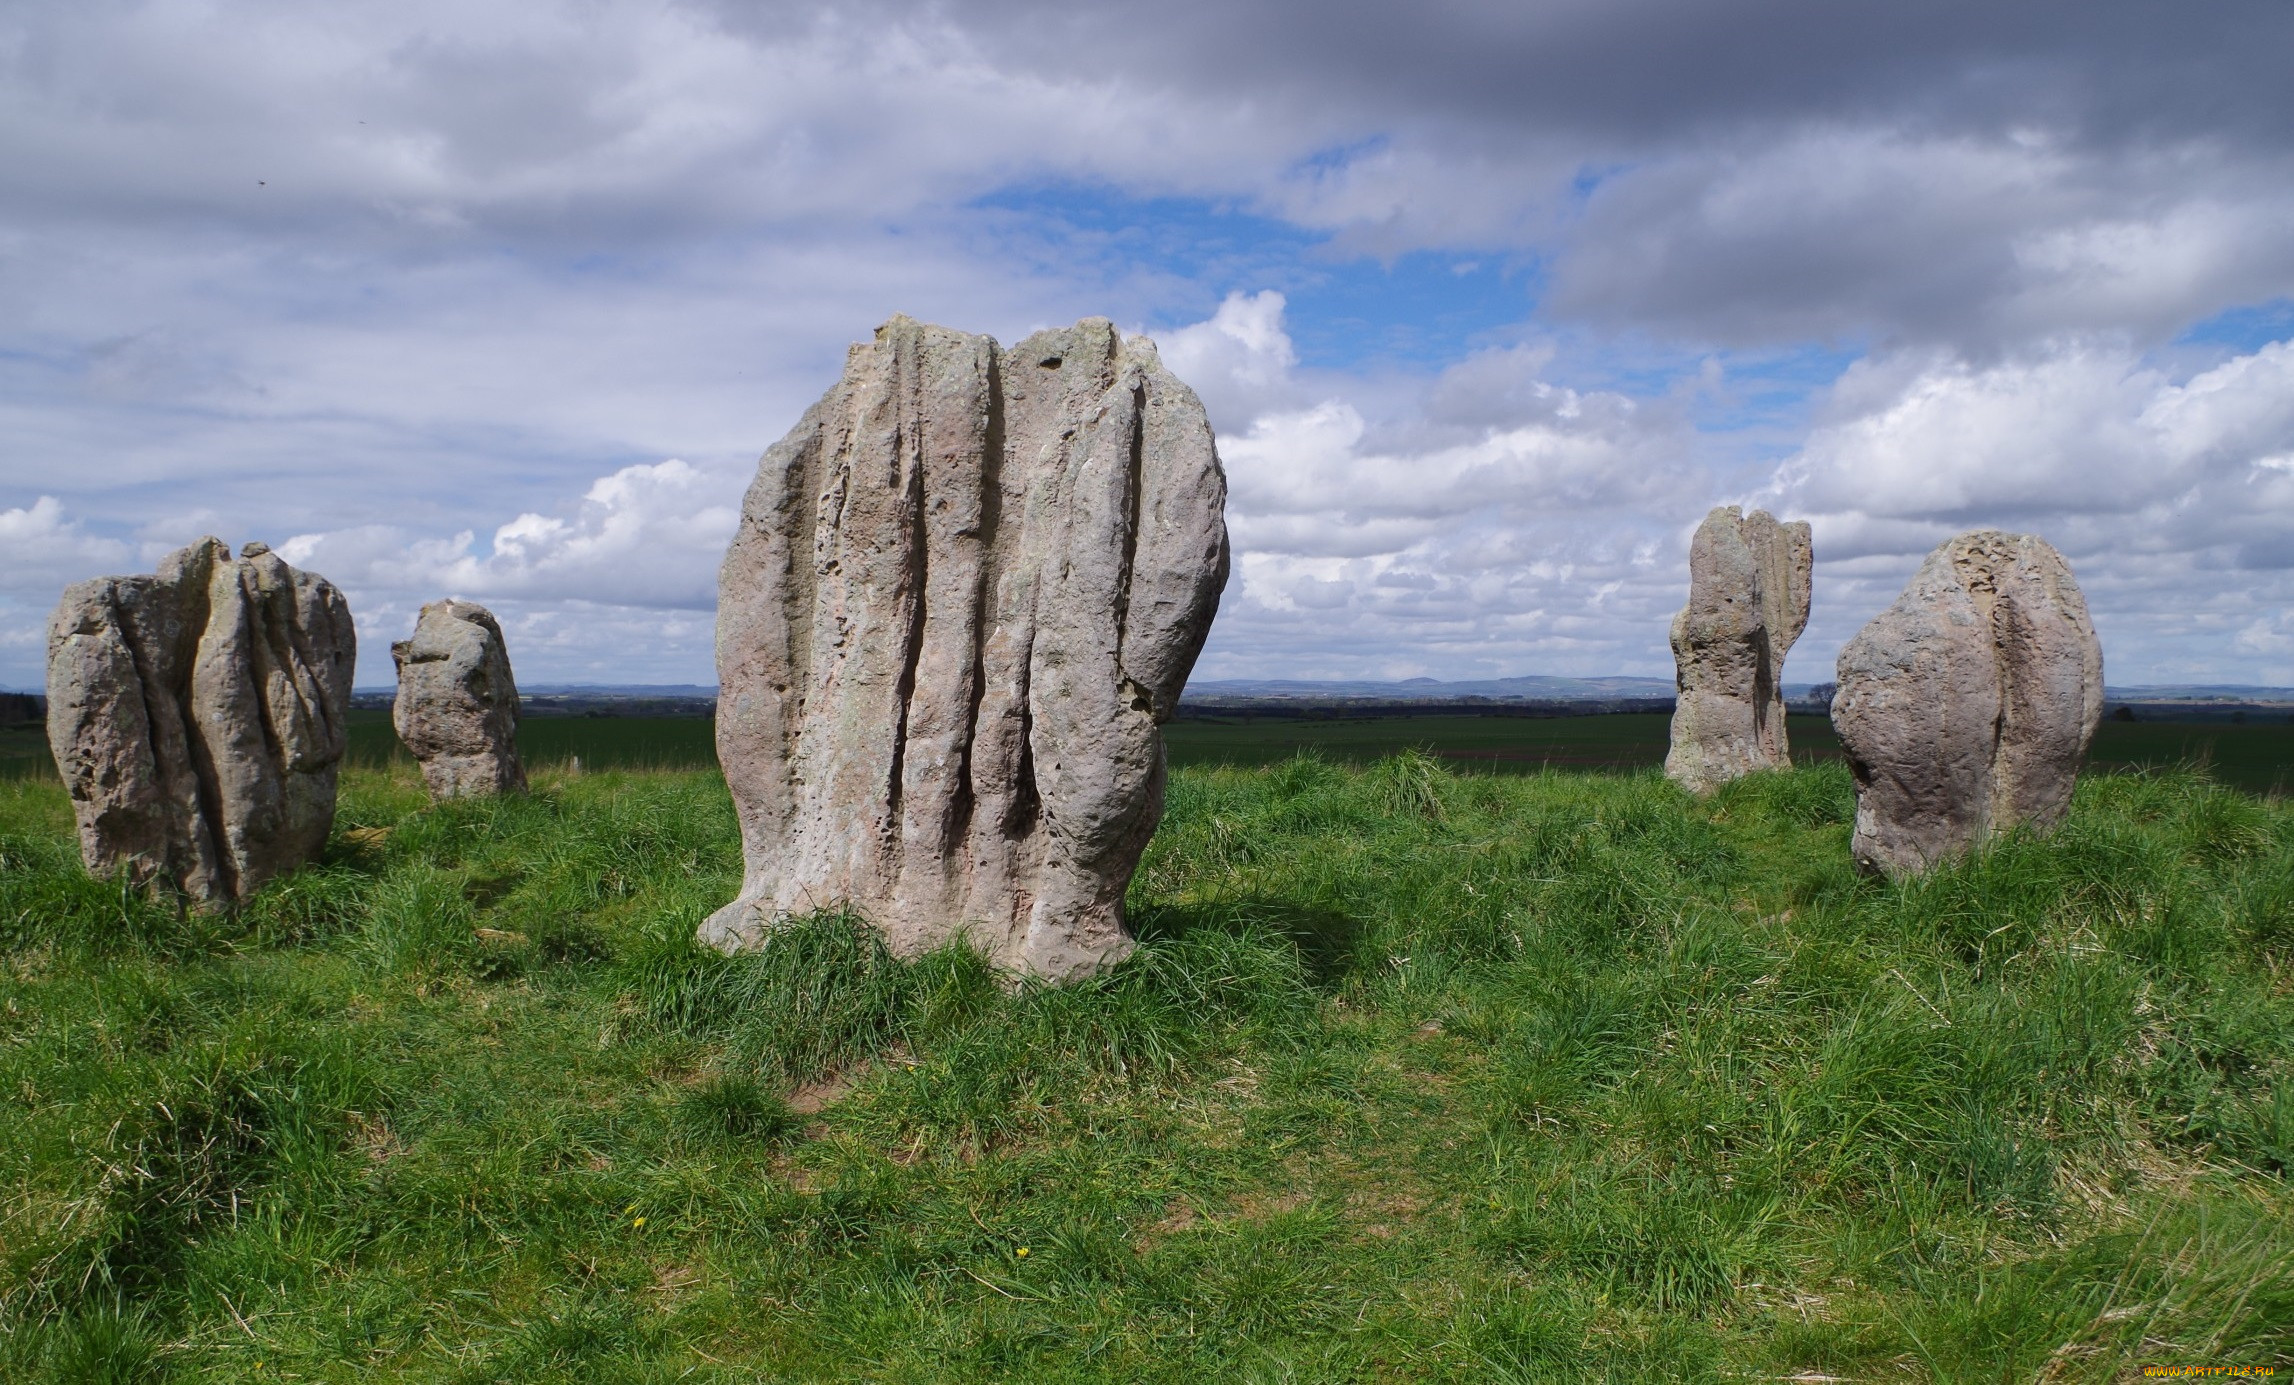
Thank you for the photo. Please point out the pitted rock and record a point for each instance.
(457, 704)
(1966, 707)
(965, 591)
(198, 718)
(1748, 601)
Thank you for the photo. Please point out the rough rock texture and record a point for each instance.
(965, 591)
(197, 717)
(1966, 707)
(1748, 601)
(457, 705)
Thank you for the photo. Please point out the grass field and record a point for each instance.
(1415, 1076)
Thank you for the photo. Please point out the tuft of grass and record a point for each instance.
(821, 994)
(101, 1347)
(738, 1108)
(1672, 1243)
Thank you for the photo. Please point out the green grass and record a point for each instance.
(1417, 1075)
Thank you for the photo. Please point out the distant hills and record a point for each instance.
(2244, 693)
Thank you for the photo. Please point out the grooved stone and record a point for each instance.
(1748, 601)
(965, 591)
(198, 717)
(1966, 707)
(457, 705)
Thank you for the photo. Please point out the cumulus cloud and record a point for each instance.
(1240, 360)
(2080, 430)
(1490, 521)
(41, 550)
(2173, 498)
(646, 536)
(404, 281)
(637, 556)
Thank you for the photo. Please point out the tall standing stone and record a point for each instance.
(198, 717)
(457, 705)
(1748, 601)
(965, 591)
(1966, 707)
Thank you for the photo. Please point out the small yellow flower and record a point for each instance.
(638, 1223)
(1021, 1252)
(629, 1209)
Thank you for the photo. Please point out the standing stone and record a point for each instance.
(457, 706)
(1748, 601)
(1966, 707)
(198, 718)
(965, 592)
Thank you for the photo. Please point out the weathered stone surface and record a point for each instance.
(966, 590)
(198, 716)
(1966, 707)
(457, 705)
(1748, 601)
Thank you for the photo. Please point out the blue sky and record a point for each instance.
(1489, 302)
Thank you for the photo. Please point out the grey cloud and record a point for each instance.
(1496, 388)
(1964, 172)
(2271, 552)
(1845, 233)
(1645, 70)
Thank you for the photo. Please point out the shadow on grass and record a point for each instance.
(1330, 945)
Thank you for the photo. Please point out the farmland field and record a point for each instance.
(2258, 757)
(597, 742)
(1416, 1075)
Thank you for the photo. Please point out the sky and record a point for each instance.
(1489, 302)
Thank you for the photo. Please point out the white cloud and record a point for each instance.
(1489, 522)
(2078, 429)
(645, 536)
(1240, 360)
(2170, 498)
(643, 541)
(41, 550)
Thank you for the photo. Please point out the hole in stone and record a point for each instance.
(1049, 362)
